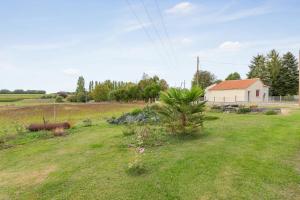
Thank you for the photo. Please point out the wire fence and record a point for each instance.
(270, 100)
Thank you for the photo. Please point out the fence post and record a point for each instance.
(280, 98)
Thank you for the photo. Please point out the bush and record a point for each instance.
(271, 112)
(48, 96)
(145, 136)
(137, 167)
(62, 94)
(243, 110)
(181, 111)
(136, 111)
(72, 98)
(59, 99)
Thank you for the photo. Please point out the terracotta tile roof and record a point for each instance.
(234, 84)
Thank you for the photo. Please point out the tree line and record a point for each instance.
(19, 91)
(278, 72)
(147, 89)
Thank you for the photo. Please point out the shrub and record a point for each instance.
(87, 122)
(137, 167)
(136, 111)
(59, 99)
(72, 98)
(181, 111)
(62, 94)
(271, 112)
(243, 110)
(48, 96)
(146, 136)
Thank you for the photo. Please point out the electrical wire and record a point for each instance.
(156, 31)
(144, 28)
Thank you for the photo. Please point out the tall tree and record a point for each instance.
(80, 90)
(290, 74)
(258, 69)
(101, 92)
(203, 78)
(274, 65)
(234, 76)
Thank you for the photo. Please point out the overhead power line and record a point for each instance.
(225, 63)
(157, 31)
(143, 27)
(165, 28)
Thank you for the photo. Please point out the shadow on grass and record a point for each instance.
(178, 138)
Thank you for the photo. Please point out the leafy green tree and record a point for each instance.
(80, 90)
(203, 79)
(258, 69)
(101, 92)
(150, 87)
(234, 76)
(181, 110)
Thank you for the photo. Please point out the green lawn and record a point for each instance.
(236, 157)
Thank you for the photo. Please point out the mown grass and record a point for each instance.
(236, 157)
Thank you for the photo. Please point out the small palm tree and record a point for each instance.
(181, 110)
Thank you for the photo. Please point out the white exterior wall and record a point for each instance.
(238, 95)
(258, 85)
(225, 95)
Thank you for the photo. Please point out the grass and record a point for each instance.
(13, 116)
(236, 157)
(18, 97)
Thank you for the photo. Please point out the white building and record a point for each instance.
(249, 90)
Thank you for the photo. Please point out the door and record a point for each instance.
(248, 96)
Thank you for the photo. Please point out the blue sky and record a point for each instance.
(47, 44)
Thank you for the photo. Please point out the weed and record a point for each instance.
(87, 122)
(137, 166)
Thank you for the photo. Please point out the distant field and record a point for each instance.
(18, 97)
(24, 114)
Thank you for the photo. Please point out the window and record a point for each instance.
(257, 93)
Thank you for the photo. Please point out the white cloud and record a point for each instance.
(181, 8)
(71, 72)
(135, 27)
(230, 45)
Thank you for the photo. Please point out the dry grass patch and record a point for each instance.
(25, 178)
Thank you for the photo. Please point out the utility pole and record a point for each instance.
(198, 71)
